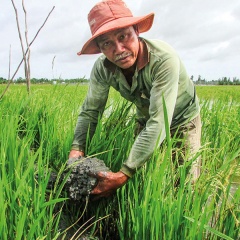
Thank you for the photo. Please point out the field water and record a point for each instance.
(36, 136)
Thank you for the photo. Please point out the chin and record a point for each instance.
(126, 65)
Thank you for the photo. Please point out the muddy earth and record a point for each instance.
(79, 181)
(79, 177)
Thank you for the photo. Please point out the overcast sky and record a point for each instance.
(205, 33)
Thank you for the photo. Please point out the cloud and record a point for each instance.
(223, 51)
(204, 33)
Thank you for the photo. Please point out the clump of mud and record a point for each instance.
(79, 177)
(79, 183)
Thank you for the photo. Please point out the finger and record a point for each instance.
(100, 188)
(103, 195)
(98, 175)
(96, 190)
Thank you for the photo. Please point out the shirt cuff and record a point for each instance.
(128, 171)
(78, 148)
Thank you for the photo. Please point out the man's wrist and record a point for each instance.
(122, 178)
(76, 153)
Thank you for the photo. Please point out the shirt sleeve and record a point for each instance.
(92, 109)
(165, 77)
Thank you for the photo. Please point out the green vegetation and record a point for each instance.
(45, 80)
(199, 81)
(220, 81)
(36, 135)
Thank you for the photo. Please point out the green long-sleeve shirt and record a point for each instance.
(159, 73)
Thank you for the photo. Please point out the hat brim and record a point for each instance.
(144, 24)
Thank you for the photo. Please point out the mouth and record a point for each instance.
(122, 56)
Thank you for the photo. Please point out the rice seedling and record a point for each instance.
(36, 135)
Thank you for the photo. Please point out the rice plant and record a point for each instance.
(36, 135)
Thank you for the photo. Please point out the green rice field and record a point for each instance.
(36, 136)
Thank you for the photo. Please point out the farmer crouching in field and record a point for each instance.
(143, 71)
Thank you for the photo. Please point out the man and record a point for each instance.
(144, 72)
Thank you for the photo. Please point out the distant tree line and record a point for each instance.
(199, 81)
(220, 81)
(46, 81)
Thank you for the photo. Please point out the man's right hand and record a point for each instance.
(76, 154)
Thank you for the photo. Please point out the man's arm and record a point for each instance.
(92, 109)
(165, 84)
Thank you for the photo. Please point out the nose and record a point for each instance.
(119, 47)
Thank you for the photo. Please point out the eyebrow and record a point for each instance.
(101, 38)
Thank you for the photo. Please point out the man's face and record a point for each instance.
(120, 46)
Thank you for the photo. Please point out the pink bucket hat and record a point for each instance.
(110, 15)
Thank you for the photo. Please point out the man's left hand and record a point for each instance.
(108, 182)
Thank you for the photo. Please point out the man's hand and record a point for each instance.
(76, 154)
(108, 182)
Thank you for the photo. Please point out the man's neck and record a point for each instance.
(128, 73)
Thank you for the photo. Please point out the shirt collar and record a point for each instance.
(142, 59)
